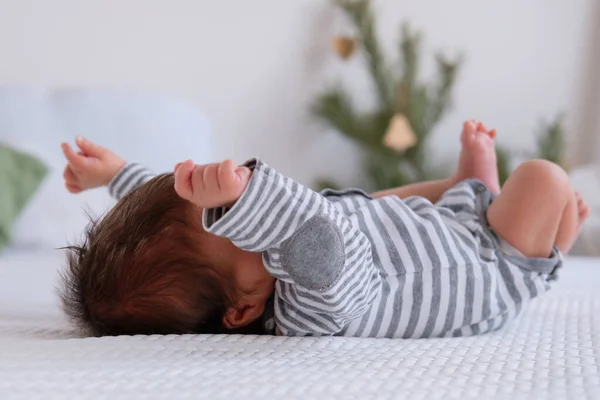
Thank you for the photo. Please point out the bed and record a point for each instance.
(552, 351)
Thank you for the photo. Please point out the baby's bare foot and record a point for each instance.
(567, 233)
(583, 211)
(478, 156)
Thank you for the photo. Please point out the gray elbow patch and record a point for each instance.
(314, 255)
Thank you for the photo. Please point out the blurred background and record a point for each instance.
(331, 93)
(258, 71)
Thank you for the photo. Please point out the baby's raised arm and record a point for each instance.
(95, 166)
(322, 260)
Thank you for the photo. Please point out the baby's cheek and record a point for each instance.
(251, 275)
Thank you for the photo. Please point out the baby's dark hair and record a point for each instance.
(142, 269)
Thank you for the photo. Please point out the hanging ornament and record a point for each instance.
(399, 136)
(344, 46)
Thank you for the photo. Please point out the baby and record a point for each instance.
(222, 248)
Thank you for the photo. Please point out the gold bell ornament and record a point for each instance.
(344, 46)
(399, 135)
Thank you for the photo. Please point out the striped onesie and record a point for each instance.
(350, 265)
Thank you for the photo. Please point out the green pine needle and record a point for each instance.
(551, 142)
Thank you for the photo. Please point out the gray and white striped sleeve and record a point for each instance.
(322, 260)
(130, 177)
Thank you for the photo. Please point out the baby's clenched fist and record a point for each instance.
(211, 185)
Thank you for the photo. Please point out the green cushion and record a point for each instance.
(20, 175)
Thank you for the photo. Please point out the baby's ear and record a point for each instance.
(241, 314)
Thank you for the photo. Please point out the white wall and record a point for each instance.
(586, 145)
(254, 66)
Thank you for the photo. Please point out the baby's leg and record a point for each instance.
(536, 210)
(431, 190)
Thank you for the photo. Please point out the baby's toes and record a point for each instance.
(468, 132)
(483, 130)
(584, 210)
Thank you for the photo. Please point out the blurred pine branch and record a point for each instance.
(399, 91)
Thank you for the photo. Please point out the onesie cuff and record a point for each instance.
(128, 178)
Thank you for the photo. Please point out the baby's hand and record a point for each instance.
(212, 185)
(93, 166)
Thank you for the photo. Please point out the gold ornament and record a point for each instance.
(399, 136)
(344, 46)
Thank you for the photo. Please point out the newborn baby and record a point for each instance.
(222, 248)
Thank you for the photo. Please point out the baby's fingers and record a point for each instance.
(209, 179)
(90, 148)
(72, 188)
(183, 180)
(243, 174)
(231, 176)
(226, 174)
(233, 179)
(69, 175)
(76, 160)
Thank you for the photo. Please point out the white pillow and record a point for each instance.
(142, 127)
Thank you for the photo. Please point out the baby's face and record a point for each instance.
(254, 285)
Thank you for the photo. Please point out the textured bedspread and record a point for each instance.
(552, 351)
